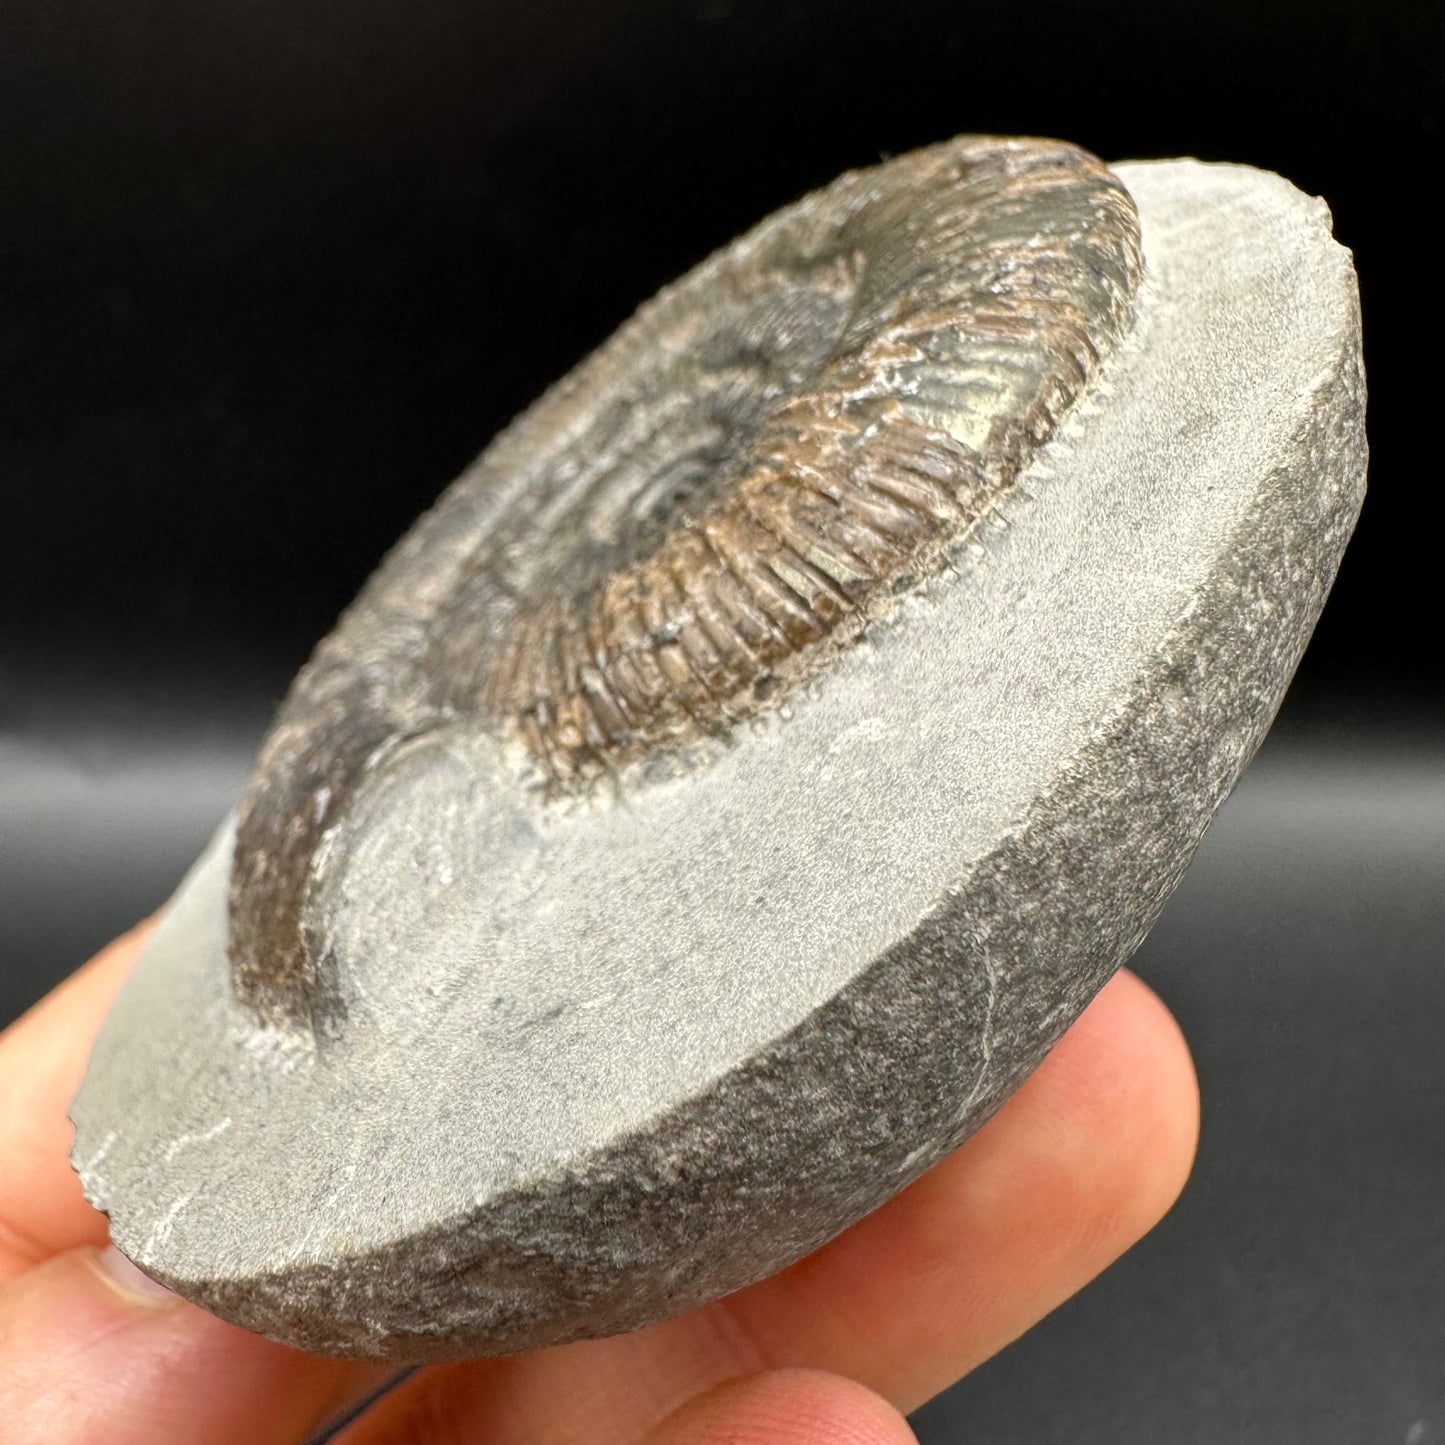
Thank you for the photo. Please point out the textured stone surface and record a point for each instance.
(700, 516)
(603, 1057)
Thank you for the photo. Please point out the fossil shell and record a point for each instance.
(731, 790)
(724, 494)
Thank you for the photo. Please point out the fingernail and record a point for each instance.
(127, 1279)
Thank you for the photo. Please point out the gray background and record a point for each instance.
(272, 271)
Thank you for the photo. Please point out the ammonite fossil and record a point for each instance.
(731, 789)
(734, 486)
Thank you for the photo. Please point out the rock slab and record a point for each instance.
(711, 1028)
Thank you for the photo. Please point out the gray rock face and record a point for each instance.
(594, 1056)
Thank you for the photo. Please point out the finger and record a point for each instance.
(1077, 1167)
(94, 1354)
(42, 1059)
(785, 1407)
(1082, 1161)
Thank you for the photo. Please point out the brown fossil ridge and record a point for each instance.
(709, 506)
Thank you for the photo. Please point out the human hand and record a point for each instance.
(1082, 1161)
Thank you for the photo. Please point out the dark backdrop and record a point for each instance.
(271, 271)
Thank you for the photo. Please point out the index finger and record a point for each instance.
(42, 1060)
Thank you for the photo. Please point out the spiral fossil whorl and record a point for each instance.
(709, 507)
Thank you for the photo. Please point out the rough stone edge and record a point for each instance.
(516, 1276)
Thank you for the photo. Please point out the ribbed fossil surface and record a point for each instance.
(709, 507)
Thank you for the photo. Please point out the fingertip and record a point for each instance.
(1122, 1084)
(785, 1407)
(95, 1353)
(83, 997)
(1075, 1168)
(1176, 1095)
(131, 1282)
(1086, 1159)
(42, 1061)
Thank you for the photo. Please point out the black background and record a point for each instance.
(271, 271)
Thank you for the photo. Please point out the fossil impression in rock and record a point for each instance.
(733, 787)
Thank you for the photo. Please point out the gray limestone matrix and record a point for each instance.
(726, 795)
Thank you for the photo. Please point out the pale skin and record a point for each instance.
(1075, 1168)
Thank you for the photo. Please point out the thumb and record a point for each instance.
(93, 1353)
(785, 1407)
